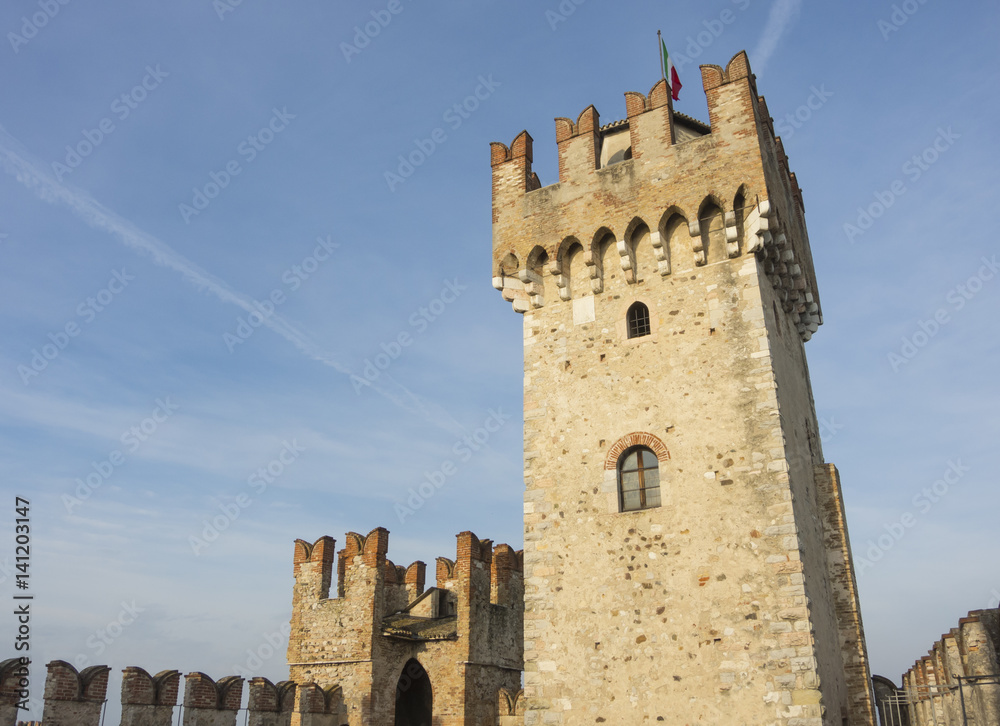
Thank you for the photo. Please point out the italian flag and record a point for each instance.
(670, 73)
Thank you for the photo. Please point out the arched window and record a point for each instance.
(638, 320)
(713, 234)
(638, 479)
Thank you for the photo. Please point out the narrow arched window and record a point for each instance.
(638, 320)
(638, 479)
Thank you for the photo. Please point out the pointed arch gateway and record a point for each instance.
(414, 696)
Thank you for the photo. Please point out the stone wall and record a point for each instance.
(844, 591)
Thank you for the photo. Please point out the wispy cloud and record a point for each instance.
(782, 17)
(32, 173)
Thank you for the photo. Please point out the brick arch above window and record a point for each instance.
(638, 438)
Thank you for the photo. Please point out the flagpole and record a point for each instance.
(659, 51)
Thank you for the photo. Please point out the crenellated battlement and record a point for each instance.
(958, 679)
(148, 700)
(200, 691)
(72, 696)
(313, 567)
(140, 688)
(363, 562)
(651, 196)
(77, 698)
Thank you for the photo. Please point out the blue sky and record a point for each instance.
(116, 120)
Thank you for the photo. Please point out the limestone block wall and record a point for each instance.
(695, 609)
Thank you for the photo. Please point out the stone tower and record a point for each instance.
(384, 650)
(686, 556)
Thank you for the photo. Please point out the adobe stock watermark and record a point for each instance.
(19, 685)
(122, 107)
(412, 673)
(30, 26)
(958, 297)
(391, 351)
(258, 483)
(829, 428)
(913, 169)
(562, 12)
(699, 43)
(456, 115)
(102, 638)
(923, 502)
(293, 278)
(899, 17)
(272, 644)
(87, 312)
(133, 439)
(791, 122)
(224, 7)
(463, 450)
(30, 708)
(247, 151)
(995, 599)
(364, 34)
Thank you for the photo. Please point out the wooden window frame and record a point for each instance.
(641, 470)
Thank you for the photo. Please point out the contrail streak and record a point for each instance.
(32, 174)
(783, 14)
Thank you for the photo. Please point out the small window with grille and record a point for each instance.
(638, 320)
(638, 480)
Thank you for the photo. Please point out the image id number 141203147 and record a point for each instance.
(22, 539)
(22, 600)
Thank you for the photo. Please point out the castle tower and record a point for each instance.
(386, 651)
(686, 557)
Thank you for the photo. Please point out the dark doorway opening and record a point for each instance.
(414, 700)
